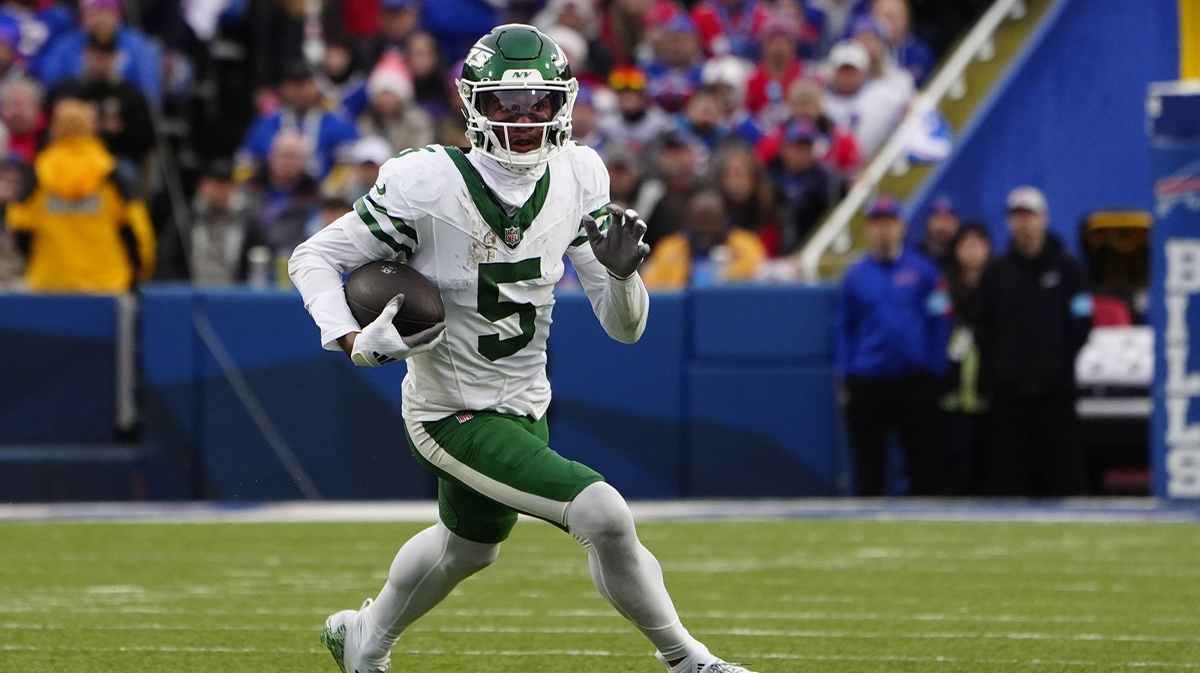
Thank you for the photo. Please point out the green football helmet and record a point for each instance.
(518, 94)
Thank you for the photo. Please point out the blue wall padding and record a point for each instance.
(57, 372)
(728, 393)
(764, 322)
(618, 407)
(1069, 119)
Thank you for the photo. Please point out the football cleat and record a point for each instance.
(343, 636)
(702, 662)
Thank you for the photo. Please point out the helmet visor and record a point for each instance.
(525, 105)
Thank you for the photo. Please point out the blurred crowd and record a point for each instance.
(208, 138)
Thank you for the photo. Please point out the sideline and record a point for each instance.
(1083, 510)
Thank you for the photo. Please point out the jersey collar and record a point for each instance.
(508, 228)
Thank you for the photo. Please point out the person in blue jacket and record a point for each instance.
(140, 60)
(303, 111)
(890, 328)
(39, 23)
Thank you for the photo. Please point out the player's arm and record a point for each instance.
(316, 268)
(607, 263)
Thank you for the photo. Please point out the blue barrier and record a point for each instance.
(728, 393)
(57, 369)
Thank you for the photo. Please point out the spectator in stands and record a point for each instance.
(910, 52)
(627, 187)
(676, 176)
(749, 198)
(359, 171)
(894, 82)
(726, 77)
(729, 27)
(21, 112)
(623, 29)
(342, 81)
(398, 21)
(639, 120)
(836, 148)
(862, 106)
(122, 114)
(16, 179)
(836, 16)
(392, 113)
(708, 252)
(960, 423)
(580, 16)
(139, 59)
(301, 112)
(889, 335)
(702, 123)
(941, 228)
(428, 74)
(457, 24)
(452, 127)
(81, 228)
(1034, 317)
(11, 69)
(778, 68)
(584, 128)
(222, 232)
(39, 24)
(283, 198)
(576, 48)
(673, 75)
(806, 188)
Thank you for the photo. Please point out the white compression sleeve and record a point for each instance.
(425, 571)
(624, 571)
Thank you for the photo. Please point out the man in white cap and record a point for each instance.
(856, 102)
(1035, 315)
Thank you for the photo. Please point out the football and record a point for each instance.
(373, 285)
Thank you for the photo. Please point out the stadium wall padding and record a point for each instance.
(729, 393)
(1069, 118)
(701, 406)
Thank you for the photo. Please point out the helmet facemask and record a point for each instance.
(521, 123)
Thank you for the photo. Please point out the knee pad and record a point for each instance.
(599, 514)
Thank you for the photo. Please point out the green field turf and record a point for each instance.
(786, 596)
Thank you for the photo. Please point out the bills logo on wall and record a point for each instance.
(1179, 189)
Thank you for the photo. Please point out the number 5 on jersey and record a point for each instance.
(491, 276)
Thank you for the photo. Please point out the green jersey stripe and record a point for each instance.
(401, 226)
(360, 207)
(507, 229)
(579, 241)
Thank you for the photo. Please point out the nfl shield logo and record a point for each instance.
(512, 236)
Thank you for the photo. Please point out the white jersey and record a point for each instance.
(431, 209)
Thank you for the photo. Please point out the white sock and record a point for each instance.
(625, 572)
(425, 571)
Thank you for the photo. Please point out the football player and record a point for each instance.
(490, 225)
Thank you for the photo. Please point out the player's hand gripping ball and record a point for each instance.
(400, 311)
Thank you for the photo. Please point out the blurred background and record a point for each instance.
(899, 246)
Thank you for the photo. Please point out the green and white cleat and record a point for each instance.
(702, 662)
(343, 637)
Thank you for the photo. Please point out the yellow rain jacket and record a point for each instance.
(85, 228)
(670, 264)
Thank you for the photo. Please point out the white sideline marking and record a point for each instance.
(1074, 510)
(605, 653)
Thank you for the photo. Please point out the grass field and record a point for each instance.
(785, 596)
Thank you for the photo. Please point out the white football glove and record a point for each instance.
(379, 343)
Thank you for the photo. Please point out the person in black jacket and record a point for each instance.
(1034, 317)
